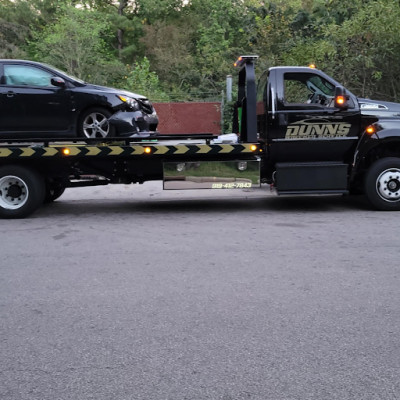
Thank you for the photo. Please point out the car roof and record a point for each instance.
(21, 61)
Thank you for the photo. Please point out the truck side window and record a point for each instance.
(303, 89)
(296, 92)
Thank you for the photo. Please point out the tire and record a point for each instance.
(22, 191)
(53, 193)
(382, 184)
(93, 124)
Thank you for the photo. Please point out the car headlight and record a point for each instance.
(130, 101)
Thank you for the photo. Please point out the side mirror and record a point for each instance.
(57, 81)
(341, 98)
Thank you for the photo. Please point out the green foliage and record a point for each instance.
(152, 11)
(219, 37)
(15, 20)
(169, 49)
(359, 46)
(76, 43)
(141, 80)
(186, 47)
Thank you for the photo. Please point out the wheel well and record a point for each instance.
(388, 149)
(48, 170)
(93, 130)
(384, 150)
(93, 106)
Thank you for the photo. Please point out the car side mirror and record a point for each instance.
(57, 81)
(341, 98)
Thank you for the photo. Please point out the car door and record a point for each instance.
(30, 104)
(306, 126)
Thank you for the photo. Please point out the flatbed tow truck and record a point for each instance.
(300, 131)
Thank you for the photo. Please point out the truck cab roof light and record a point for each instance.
(244, 59)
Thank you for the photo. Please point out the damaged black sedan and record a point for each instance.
(39, 101)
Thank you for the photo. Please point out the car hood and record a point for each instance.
(97, 88)
(381, 109)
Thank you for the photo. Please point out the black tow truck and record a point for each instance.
(298, 130)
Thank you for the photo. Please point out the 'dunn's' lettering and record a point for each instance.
(317, 130)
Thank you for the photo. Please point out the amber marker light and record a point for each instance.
(253, 147)
(340, 100)
(370, 130)
(313, 66)
(66, 152)
(147, 150)
(238, 61)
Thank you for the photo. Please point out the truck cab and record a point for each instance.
(310, 136)
(299, 120)
(319, 137)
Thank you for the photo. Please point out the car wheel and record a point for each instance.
(382, 184)
(93, 124)
(22, 191)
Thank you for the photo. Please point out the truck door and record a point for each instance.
(303, 125)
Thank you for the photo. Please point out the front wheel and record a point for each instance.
(93, 124)
(382, 184)
(22, 191)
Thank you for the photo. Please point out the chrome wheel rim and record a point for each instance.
(388, 185)
(14, 192)
(95, 125)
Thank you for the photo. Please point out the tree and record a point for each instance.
(18, 18)
(191, 44)
(78, 42)
(216, 33)
(359, 46)
(141, 80)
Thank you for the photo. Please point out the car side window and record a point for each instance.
(24, 75)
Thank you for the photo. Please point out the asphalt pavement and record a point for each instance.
(132, 293)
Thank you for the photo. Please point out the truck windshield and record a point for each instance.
(323, 85)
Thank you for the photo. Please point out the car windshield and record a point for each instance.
(64, 73)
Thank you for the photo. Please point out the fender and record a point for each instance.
(385, 133)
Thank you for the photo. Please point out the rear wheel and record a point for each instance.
(382, 184)
(93, 124)
(22, 191)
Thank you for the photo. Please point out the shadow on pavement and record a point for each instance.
(292, 204)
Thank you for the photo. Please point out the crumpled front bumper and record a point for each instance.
(134, 124)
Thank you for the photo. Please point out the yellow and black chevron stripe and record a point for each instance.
(133, 150)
